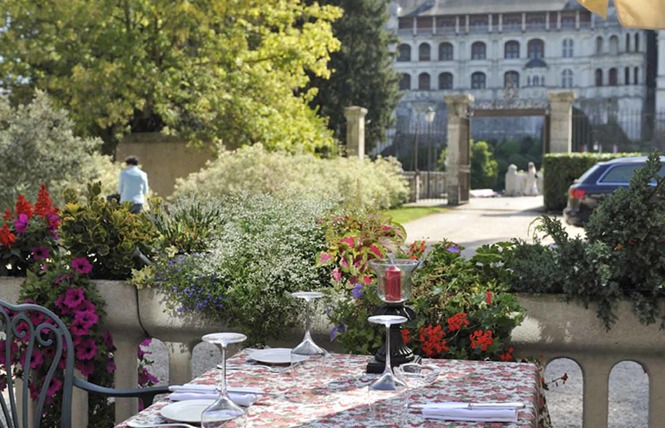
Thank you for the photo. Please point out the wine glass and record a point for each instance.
(307, 347)
(223, 409)
(386, 402)
(387, 381)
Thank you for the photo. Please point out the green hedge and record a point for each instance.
(564, 168)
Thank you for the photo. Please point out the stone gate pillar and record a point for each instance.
(561, 121)
(458, 130)
(355, 131)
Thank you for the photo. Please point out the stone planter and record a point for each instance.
(554, 329)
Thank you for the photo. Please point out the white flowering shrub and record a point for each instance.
(264, 249)
(370, 184)
(38, 146)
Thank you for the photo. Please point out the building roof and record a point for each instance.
(472, 7)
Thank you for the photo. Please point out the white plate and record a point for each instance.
(275, 356)
(185, 411)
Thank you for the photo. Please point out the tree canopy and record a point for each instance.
(362, 70)
(229, 70)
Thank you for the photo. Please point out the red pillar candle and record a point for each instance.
(393, 281)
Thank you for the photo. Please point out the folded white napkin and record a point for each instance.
(456, 411)
(242, 396)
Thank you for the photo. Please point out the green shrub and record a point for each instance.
(265, 249)
(38, 146)
(563, 169)
(377, 184)
(107, 233)
(484, 169)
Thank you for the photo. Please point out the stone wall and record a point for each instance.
(164, 158)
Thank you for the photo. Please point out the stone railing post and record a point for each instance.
(458, 115)
(561, 121)
(355, 131)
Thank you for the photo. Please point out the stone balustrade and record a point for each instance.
(552, 328)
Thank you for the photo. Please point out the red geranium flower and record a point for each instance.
(7, 238)
(457, 321)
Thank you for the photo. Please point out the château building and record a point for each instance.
(516, 51)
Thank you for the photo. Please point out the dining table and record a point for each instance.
(334, 393)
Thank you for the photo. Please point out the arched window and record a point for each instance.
(626, 76)
(535, 81)
(636, 77)
(528, 80)
(535, 48)
(567, 48)
(511, 49)
(599, 77)
(567, 78)
(613, 78)
(404, 53)
(478, 50)
(445, 81)
(424, 52)
(627, 42)
(614, 45)
(424, 82)
(446, 52)
(599, 45)
(511, 79)
(637, 42)
(405, 82)
(478, 80)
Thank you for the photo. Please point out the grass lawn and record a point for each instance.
(407, 214)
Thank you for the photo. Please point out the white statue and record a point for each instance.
(531, 183)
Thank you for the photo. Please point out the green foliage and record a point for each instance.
(107, 233)
(352, 240)
(362, 70)
(212, 70)
(620, 258)
(484, 169)
(462, 308)
(264, 250)
(38, 146)
(563, 169)
(374, 184)
(186, 225)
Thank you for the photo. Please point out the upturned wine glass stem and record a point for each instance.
(388, 367)
(223, 387)
(308, 320)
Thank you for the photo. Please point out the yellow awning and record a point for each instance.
(632, 13)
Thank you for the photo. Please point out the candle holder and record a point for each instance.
(393, 288)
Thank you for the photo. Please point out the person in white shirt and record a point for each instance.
(133, 184)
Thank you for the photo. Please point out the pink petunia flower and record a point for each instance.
(74, 297)
(79, 328)
(21, 223)
(110, 365)
(108, 341)
(63, 277)
(86, 317)
(86, 367)
(86, 350)
(40, 253)
(81, 265)
(54, 387)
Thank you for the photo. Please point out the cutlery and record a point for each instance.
(238, 390)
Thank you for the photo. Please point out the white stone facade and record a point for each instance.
(499, 49)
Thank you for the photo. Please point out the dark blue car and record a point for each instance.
(597, 183)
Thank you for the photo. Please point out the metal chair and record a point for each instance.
(30, 327)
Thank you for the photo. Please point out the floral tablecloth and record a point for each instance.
(335, 393)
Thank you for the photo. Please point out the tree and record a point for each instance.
(225, 70)
(363, 73)
(38, 146)
(484, 169)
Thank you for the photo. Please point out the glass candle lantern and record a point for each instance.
(393, 278)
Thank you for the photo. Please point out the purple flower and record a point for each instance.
(110, 365)
(81, 265)
(74, 297)
(146, 378)
(87, 318)
(21, 223)
(40, 253)
(55, 386)
(108, 340)
(79, 328)
(63, 277)
(86, 367)
(357, 291)
(454, 249)
(341, 328)
(86, 350)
